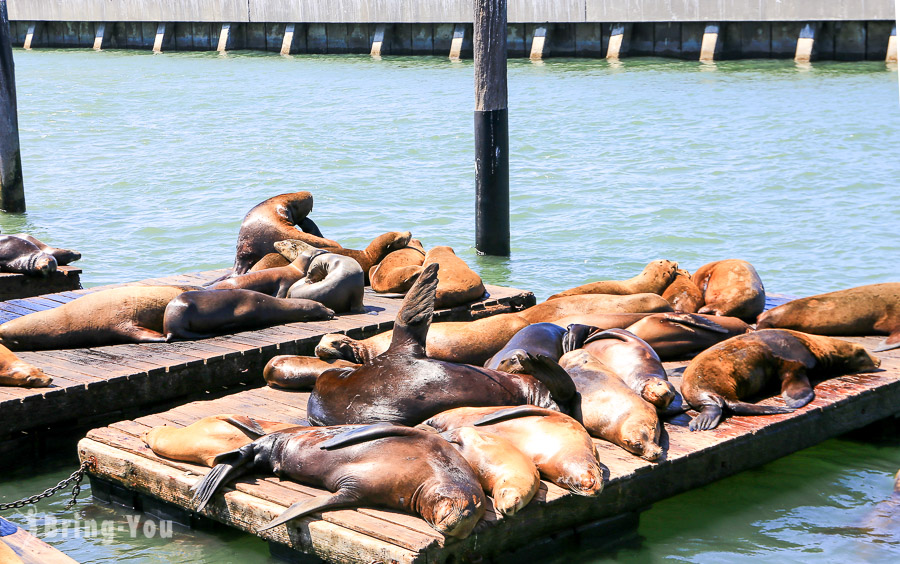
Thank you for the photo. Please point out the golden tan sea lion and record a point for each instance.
(683, 294)
(379, 248)
(299, 372)
(731, 288)
(271, 260)
(397, 271)
(16, 372)
(591, 304)
(654, 279)
(679, 335)
(457, 283)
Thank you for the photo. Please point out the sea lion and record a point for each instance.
(299, 372)
(510, 477)
(591, 304)
(746, 365)
(403, 386)
(62, 256)
(129, 314)
(398, 270)
(379, 248)
(201, 441)
(16, 372)
(276, 281)
(731, 288)
(609, 409)
(204, 313)
(271, 260)
(468, 342)
(864, 310)
(683, 294)
(457, 283)
(24, 257)
(275, 219)
(602, 321)
(535, 339)
(634, 362)
(557, 444)
(678, 335)
(654, 279)
(334, 280)
(380, 465)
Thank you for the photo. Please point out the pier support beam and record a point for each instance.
(805, 44)
(377, 41)
(160, 35)
(710, 40)
(891, 56)
(491, 129)
(459, 34)
(12, 189)
(98, 36)
(29, 36)
(223, 38)
(539, 43)
(288, 39)
(617, 41)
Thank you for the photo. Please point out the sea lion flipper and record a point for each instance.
(338, 500)
(741, 408)
(512, 413)
(575, 336)
(697, 321)
(620, 334)
(892, 342)
(366, 434)
(144, 335)
(228, 465)
(411, 327)
(309, 226)
(550, 374)
(247, 424)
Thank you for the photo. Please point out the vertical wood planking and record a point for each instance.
(12, 187)
(223, 38)
(377, 41)
(459, 34)
(710, 40)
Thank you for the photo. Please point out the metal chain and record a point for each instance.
(76, 477)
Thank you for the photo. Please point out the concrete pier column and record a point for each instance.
(617, 41)
(29, 36)
(12, 188)
(540, 45)
(805, 44)
(710, 40)
(98, 36)
(223, 38)
(160, 35)
(377, 41)
(459, 33)
(288, 39)
(891, 56)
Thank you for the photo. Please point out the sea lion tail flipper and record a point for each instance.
(336, 501)
(366, 434)
(575, 336)
(228, 465)
(414, 318)
(741, 408)
(892, 342)
(512, 413)
(247, 424)
(697, 321)
(550, 374)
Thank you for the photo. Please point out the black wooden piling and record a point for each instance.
(491, 129)
(12, 190)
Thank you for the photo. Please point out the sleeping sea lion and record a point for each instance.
(379, 248)
(403, 386)
(731, 288)
(299, 372)
(864, 310)
(334, 280)
(276, 281)
(24, 257)
(537, 339)
(654, 279)
(457, 283)
(129, 314)
(611, 410)
(380, 465)
(16, 372)
(602, 321)
(747, 365)
(590, 304)
(62, 256)
(271, 260)
(683, 294)
(557, 444)
(678, 335)
(398, 270)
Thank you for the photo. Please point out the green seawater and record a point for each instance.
(147, 164)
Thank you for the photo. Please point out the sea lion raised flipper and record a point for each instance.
(228, 465)
(341, 499)
(892, 342)
(309, 226)
(575, 336)
(512, 413)
(697, 321)
(545, 369)
(247, 424)
(414, 319)
(366, 434)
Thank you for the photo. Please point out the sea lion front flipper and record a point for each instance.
(228, 465)
(414, 319)
(709, 418)
(512, 413)
(697, 321)
(892, 342)
(338, 500)
(247, 424)
(144, 335)
(366, 434)
(795, 387)
(575, 336)
(620, 334)
(549, 373)
(309, 226)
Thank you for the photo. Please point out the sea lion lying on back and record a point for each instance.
(271, 260)
(654, 279)
(537, 339)
(746, 365)
(398, 270)
(360, 465)
(334, 280)
(16, 372)
(24, 257)
(865, 310)
(731, 288)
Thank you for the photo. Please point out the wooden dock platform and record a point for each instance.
(18, 545)
(99, 385)
(128, 472)
(14, 286)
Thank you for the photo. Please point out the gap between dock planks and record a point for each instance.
(363, 535)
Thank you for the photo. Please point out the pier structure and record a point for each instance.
(688, 29)
(12, 189)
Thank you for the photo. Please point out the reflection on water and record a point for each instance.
(147, 164)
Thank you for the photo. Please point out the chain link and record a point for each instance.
(76, 477)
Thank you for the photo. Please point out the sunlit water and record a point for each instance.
(147, 164)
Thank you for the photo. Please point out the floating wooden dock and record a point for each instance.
(129, 473)
(17, 543)
(99, 385)
(14, 286)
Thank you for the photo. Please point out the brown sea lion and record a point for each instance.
(271, 260)
(24, 257)
(457, 283)
(747, 365)
(510, 477)
(379, 248)
(611, 410)
(682, 294)
(537, 339)
(557, 444)
(864, 310)
(678, 335)
(16, 372)
(201, 441)
(731, 288)
(654, 279)
(403, 386)
(276, 281)
(299, 372)
(204, 313)
(591, 304)
(602, 321)
(129, 314)
(398, 270)
(334, 280)
(468, 342)
(62, 256)
(276, 219)
(380, 465)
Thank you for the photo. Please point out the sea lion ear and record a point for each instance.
(411, 327)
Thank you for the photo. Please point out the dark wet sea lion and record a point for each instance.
(334, 280)
(536, 339)
(683, 295)
(398, 270)
(379, 248)
(379, 465)
(16, 372)
(129, 314)
(62, 256)
(457, 283)
(403, 386)
(731, 288)
(271, 260)
(204, 313)
(24, 257)
(557, 444)
(591, 304)
(201, 441)
(864, 310)
(275, 281)
(299, 372)
(504, 471)
(609, 409)
(469, 342)
(679, 335)
(743, 366)
(654, 279)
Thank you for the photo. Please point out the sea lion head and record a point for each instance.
(582, 476)
(44, 263)
(451, 509)
(335, 346)
(858, 359)
(642, 438)
(397, 240)
(26, 375)
(291, 249)
(664, 269)
(659, 392)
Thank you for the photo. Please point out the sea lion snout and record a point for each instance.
(27, 375)
(335, 347)
(46, 264)
(456, 515)
(659, 392)
(586, 481)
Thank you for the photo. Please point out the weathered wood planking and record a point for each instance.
(367, 535)
(28, 548)
(13, 286)
(94, 385)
